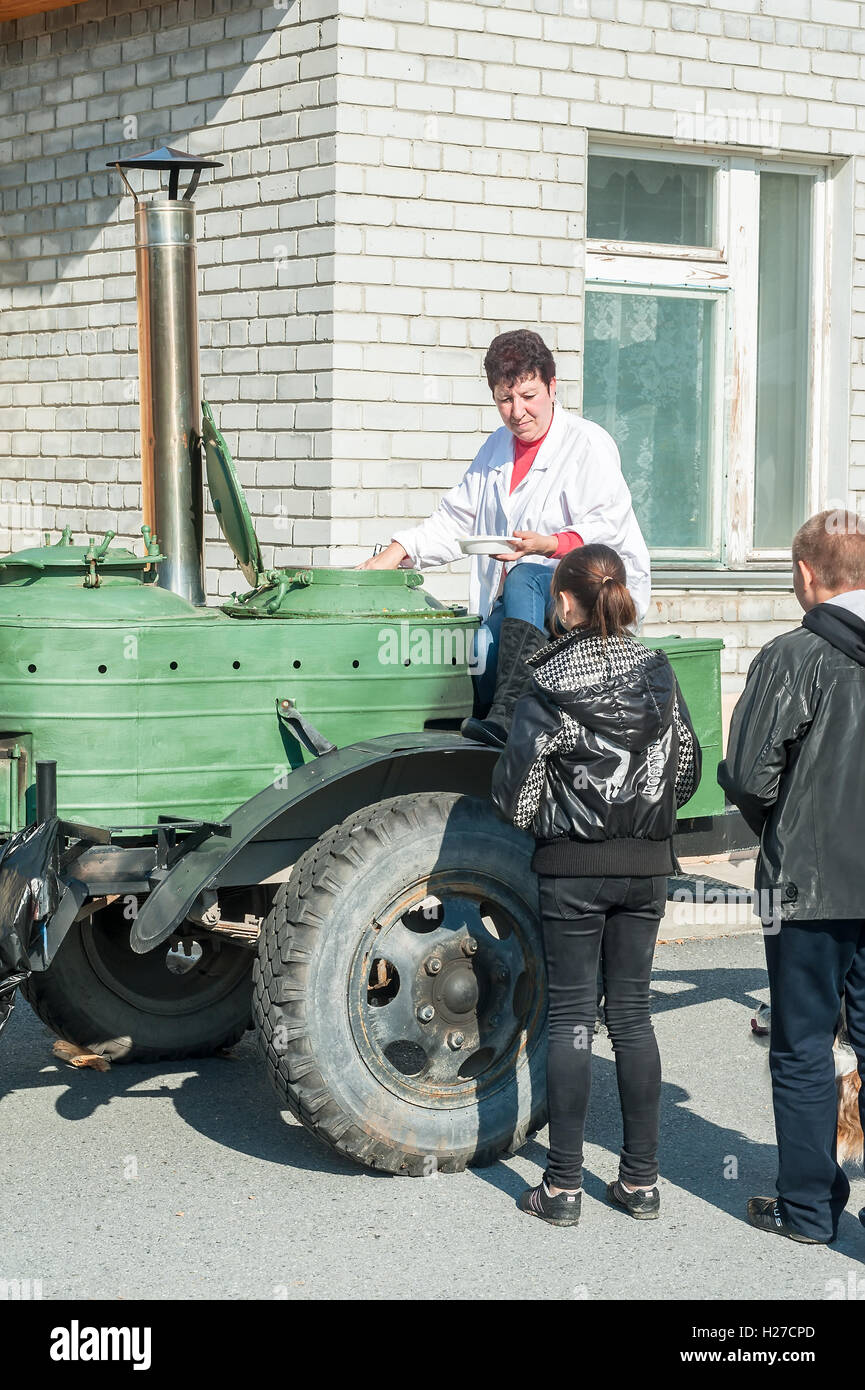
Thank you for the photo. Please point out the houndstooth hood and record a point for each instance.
(616, 686)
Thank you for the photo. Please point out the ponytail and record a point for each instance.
(595, 576)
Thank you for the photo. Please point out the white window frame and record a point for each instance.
(713, 553)
(728, 272)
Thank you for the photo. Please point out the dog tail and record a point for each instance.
(850, 1142)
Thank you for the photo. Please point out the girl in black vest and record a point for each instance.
(600, 756)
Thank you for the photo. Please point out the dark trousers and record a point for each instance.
(615, 919)
(811, 965)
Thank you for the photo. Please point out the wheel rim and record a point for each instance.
(147, 982)
(446, 996)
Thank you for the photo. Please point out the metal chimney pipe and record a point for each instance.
(166, 273)
(167, 292)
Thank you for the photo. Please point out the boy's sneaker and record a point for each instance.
(561, 1210)
(643, 1205)
(765, 1214)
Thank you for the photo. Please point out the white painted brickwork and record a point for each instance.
(460, 201)
(404, 179)
(746, 621)
(461, 163)
(253, 85)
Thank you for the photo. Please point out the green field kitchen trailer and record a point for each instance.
(262, 814)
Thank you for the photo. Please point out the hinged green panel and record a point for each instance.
(229, 503)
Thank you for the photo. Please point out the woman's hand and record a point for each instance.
(530, 543)
(388, 559)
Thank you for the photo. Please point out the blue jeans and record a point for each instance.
(526, 595)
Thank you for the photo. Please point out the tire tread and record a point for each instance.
(299, 913)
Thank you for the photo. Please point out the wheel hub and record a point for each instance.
(152, 983)
(444, 997)
(456, 990)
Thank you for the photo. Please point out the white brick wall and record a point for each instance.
(251, 84)
(745, 620)
(491, 104)
(403, 180)
(464, 181)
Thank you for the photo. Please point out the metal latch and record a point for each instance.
(306, 733)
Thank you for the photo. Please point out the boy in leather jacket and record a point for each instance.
(795, 769)
(600, 755)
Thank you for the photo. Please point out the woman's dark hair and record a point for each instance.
(595, 576)
(518, 354)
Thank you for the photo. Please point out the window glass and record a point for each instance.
(783, 358)
(647, 380)
(649, 200)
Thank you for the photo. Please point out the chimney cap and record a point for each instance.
(174, 161)
(165, 158)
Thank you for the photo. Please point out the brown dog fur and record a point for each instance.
(850, 1139)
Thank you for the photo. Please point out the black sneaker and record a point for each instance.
(561, 1210)
(765, 1214)
(643, 1205)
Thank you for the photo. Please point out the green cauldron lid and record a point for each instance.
(229, 502)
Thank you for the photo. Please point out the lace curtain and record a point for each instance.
(647, 380)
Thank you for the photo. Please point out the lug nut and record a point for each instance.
(425, 1013)
(469, 946)
(455, 1041)
(433, 965)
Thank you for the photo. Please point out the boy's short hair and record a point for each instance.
(832, 544)
(518, 354)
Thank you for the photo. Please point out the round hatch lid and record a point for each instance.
(63, 558)
(229, 502)
(341, 595)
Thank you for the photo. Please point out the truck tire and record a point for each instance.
(99, 994)
(400, 992)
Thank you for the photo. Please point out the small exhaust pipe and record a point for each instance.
(166, 269)
(46, 789)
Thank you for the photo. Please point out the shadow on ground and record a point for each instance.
(229, 1100)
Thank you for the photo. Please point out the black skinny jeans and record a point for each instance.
(616, 919)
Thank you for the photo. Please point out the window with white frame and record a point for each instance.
(705, 276)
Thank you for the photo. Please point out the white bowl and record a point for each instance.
(487, 545)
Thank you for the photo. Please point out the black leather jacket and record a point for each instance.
(795, 767)
(600, 755)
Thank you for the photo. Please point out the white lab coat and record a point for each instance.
(574, 484)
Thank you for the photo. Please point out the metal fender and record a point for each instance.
(448, 763)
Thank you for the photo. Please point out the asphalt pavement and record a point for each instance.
(184, 1181)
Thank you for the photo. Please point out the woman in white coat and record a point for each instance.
(552, 480)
